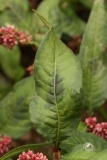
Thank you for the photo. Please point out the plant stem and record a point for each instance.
(56, 155)
(103, 112)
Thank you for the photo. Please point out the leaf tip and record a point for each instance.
(45, 21)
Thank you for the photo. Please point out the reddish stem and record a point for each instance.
(56, 155)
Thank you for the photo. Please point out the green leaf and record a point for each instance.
(5, 86)
(19, 15)
(62, 16)
(80, 153)
(19, 150)
(10, 62)
(83, 138)
(82, 127)
(93, 58)
(16, 12)
(70, 22)
(46, 22)
(56, 106)
(50, 13)
(48, 5)
(87, 3)
(2, 6)
(14, 117)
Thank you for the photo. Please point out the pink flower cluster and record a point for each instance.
(10, 36)
(91, 122)
(99, 129)
(31, 156)
(5, 143)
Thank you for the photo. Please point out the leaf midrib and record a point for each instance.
(91, 79)
(58, 118)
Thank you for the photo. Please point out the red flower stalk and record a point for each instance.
(31, 156)
(10, 36)
(5, 143)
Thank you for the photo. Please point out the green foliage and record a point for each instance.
(82, 127)
(78, 153)
(5, 86)
(56, 106)
(2, 6)
(62, 16)
(93, 58)
(87, 3)
(46, 22)
(78, 149)
(19, 15)
(56, 99)
(70, 22)
(19, 150)
(10, 62)
(16, 12)
(14, 117)
(80, 138)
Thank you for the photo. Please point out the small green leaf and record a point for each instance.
(58, 79)
(46, 22)
(82, 138)
(51, 13)
(82, 127)
(93, 58)
(48, 5)
(10, 62)
(19, 150)
(82, 153)
(14, 117)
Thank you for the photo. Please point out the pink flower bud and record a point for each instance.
(99, 129)
(30, 69)
(10, 36)
(91, 122)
